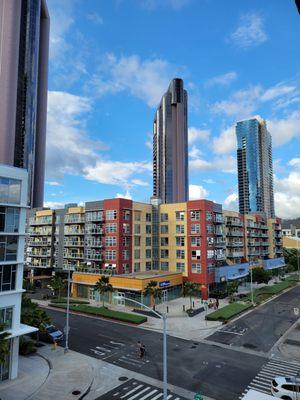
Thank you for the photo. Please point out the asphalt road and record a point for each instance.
(261, 328)
(220, 373)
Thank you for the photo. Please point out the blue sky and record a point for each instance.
(110, 63)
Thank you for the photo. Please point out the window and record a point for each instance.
(137, 241)
(180, 267)
(179, 215)
(148, 241)
(126, 215)
(126, 228)
(148, 217)
(110, 254)
(164, 266)
(210, 254)
(195, 241)
(10, 190)
(6, 317)
(210, 241)
(164, 241)
(209, 228)
(164, 217)
(137, 266)
(111, 214)
(110, 241)
(137, 229)
(148, 265)
(164, 253)
(111, 228)
(137, 253)
(126, 241)
(179, 228)
(180, 254)
(164, 229)
(196, 254)
(137, 215)
(196, 268)
(8, 248)
(9, 219)
(180, 241)
(209, 216)
(148, 253)
(125, 254)
(7, 277)
(148, 229)
(195, 228)
(195, 215)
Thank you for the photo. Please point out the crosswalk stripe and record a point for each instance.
(141, 392)
(262, 379)
(157, 396)
(103, 349)
(278, 364)
(259, 388)
(132, 391)
(149, 394)
(127, 357)
(281, 370)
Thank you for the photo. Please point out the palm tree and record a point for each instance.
(57, 284)
(32, 315)
(190, 289)
(103, 286)
(153, 291)
(4, 344)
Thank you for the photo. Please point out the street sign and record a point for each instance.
(296, 310)
(164, 283)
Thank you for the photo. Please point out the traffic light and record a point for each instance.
(198, 396)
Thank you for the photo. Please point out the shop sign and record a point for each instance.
(164, 283)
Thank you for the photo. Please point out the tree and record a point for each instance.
(4, 344)
(232, 287)
(190, 289)
(32, 315)
(57, 284)
(153, 291)
(260, 275)
(103, 286)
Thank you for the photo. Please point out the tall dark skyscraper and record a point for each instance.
(170, 146)
(24, 47)
(255, 167)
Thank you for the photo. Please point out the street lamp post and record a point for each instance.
(251, 282)
(164, 318)
(67, 328)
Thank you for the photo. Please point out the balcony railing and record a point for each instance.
(234, 223)
(78, 256)
(235, 254)
(68, 243)
(235, 244)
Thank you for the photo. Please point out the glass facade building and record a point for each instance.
(255, 167)
(170, 146)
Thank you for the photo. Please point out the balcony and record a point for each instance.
(235, 254)
(230, 222)
(94, 244)
(235, 244)
(96, 231)
(219, 219)
(221, 256)
(231, 232)
(74, 232)
(220, 243)
(70, 219)
(94, 216)
(94, 257)
(70, 243)
(77, 256)
(219, 232)
(39, 243)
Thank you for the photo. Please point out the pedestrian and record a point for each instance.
(217, 304)
(143, 350)
(139, 346)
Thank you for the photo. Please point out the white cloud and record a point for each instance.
(95, 17)
(226, 142)
(53, 183)
(250, 31)
(146, 79)
(71, 151)
(294, 162)
(231, 202)
(285, 129)
(194, 152)
(54, 204)
(287, 195)
(196, 134)
(127, 195)
(223, 80)
(224, 164)
(277, 91)
(197, 192)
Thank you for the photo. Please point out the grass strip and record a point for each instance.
(228, 312)
(104, 312)
(62, 300)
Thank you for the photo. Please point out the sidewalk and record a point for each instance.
(57, 375)
(290, 345)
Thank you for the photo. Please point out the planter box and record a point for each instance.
(193, 312)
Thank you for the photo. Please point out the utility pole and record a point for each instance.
(251, 279)
(67, 328)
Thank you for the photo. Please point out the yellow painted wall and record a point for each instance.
(291, 243)
(271, 237)
(142, 209)
(171, 210)
(43, 213)
(76, 210)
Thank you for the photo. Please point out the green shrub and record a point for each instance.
(228, 312)
(26, 347)
(105, 312)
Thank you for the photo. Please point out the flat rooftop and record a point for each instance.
(147, 274)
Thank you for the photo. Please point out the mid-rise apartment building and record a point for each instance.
(13, 203)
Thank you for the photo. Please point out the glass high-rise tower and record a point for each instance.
(24, 32)
(255, 167)
(170, 146)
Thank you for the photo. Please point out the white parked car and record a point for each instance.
(286, 387)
